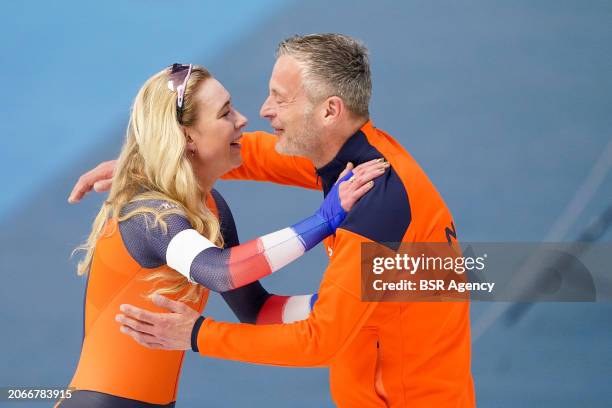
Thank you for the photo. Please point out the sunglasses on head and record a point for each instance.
(178, 75)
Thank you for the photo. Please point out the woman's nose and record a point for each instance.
(242, 120)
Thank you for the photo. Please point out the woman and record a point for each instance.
(163, 227)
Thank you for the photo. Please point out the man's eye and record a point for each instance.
(225, 114)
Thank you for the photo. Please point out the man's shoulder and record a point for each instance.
(383, 214)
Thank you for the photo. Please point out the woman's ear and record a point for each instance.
(191, 146)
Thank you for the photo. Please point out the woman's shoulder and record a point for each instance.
(148, 225)
(150, 204)
(154, 216)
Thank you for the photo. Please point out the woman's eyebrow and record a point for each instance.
(226, 104)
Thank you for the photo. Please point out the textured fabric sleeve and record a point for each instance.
(252, 303)
(247, 301)
(197, 258)
(286, 309)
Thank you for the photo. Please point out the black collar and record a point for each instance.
(356, 150)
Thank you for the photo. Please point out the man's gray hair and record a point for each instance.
(333, 65)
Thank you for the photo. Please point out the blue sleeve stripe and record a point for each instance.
(313, 299)
(312, 230)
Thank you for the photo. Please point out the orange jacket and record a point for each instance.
(380, 354)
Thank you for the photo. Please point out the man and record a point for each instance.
(380, 354)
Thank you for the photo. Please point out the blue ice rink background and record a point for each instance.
(506, 105)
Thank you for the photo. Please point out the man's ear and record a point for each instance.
(334, 107)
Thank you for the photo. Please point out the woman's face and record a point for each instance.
(213, 142)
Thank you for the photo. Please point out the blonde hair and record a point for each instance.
(153, 165)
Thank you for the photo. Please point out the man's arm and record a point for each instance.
(335, 320)
(98, 179)
(261, 162)
(313, 342)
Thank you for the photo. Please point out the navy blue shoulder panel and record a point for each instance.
(382, 215)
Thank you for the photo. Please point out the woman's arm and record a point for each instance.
(194, 256)
(253, 304)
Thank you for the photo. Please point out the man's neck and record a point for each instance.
(333, 142)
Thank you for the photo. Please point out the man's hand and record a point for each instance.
(164, 331)
(99, 179)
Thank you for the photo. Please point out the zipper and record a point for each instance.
(379, 387)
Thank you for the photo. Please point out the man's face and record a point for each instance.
(289, 111)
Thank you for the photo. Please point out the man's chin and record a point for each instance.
(281, 148)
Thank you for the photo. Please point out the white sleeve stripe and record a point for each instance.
(281, 248)
(296, 308)
(183, 248)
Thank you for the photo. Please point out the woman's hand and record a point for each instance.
(360, 181)
(352, 184)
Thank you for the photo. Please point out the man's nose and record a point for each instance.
(266, 110)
